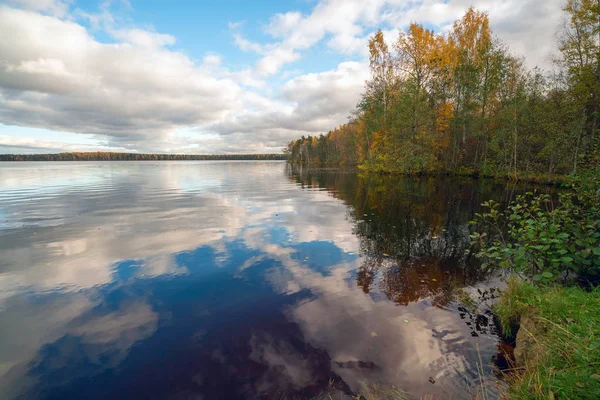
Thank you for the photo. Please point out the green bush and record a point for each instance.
(541, 241)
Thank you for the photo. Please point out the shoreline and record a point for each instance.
(559, 180)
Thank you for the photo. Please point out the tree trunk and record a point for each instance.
(515, 147)
(595, 124)
(414, 118)
(550, 167)
(576, 156)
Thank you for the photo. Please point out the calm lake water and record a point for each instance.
(236, 280)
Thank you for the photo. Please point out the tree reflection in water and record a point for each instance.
(413, 231)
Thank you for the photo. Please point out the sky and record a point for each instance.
(200, 77)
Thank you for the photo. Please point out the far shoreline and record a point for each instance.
(112, 156)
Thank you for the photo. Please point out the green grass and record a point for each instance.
(562, 327)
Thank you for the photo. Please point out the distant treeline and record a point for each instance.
(107, 156)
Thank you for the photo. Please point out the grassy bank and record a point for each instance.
(557, 333)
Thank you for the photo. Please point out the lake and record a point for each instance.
(238, 280)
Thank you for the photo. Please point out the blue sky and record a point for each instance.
(209, 77)
(204, 27)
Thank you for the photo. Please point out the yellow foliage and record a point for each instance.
(472, 36)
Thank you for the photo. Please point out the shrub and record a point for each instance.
(541, 241)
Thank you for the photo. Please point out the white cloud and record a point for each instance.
(45, 258)
(110, 335)
(124, 327)
(235, 24)
(53, 7)
(212, 60)
(315, 103)
(343, 20)
(274, 59)
(341, 319)
(70, 268)
(54, 75)
(141, 38)
(283, 24)
(247, 45)
(13, 144)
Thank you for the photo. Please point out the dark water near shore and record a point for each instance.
(236, 280)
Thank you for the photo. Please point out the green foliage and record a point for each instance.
(541, 241)
(564, 359)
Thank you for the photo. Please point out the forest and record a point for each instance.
(462, 103)
(108, 156)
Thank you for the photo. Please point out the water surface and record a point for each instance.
(235, 280)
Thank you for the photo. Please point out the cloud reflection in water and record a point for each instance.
(228, 280)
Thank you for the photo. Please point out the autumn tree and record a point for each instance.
(460, 102)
